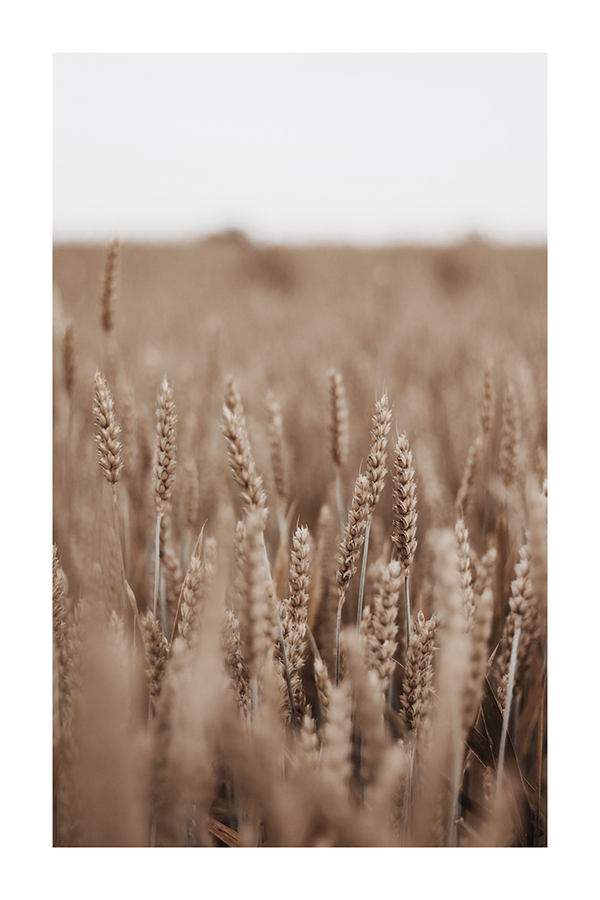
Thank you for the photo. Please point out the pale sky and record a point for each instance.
(360, 147)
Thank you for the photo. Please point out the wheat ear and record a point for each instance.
(294, 614)
(464, 498)
(404, 528)
(235, 661)
(109, 286)
(418, 677)
(523, 616)
(241, 460)
(350, 547)
(275, 435)
(165, 461)
(376, 472)
(110, 458)
(156, 649)
(510, 438)
(464, 569)
(487, 421)
(340, 437)
(382, 628)
(487, 412)
(108, 299)
(68, 366)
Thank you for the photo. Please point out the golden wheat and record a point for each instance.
(270, 701)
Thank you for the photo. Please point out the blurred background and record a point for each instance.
(300, 147)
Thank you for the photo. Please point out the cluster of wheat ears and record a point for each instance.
(282, 688)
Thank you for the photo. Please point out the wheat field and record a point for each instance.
(299, 561)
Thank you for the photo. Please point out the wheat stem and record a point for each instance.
(407, 606)
(157, 563)
(119, 551)
(507, 707)
(363, 575)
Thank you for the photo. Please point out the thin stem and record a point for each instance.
(540, 750)
(338, 629)
(454, 812)
(156, 562)
(509, 693)
(340, 502)
(126, 530)
(363, 574)
(408, 796)
(407, 601)
(390, 692)
(119, 551)
(485, 490)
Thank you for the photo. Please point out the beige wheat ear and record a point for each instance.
(110, 459)
(108, 431)
(376, 472)
(340, 436)
(275, 434)
(165, 461)
(381, 627)
(350, 547)
(404, 529)
(487, 412)
(68, 359)
(68, 368)
(156, 648)
(294, 615)
(464, 498)
(108, 297)
(510, 438)
(241, 460)
(464, 569)
(108, 303)
(417, 685)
